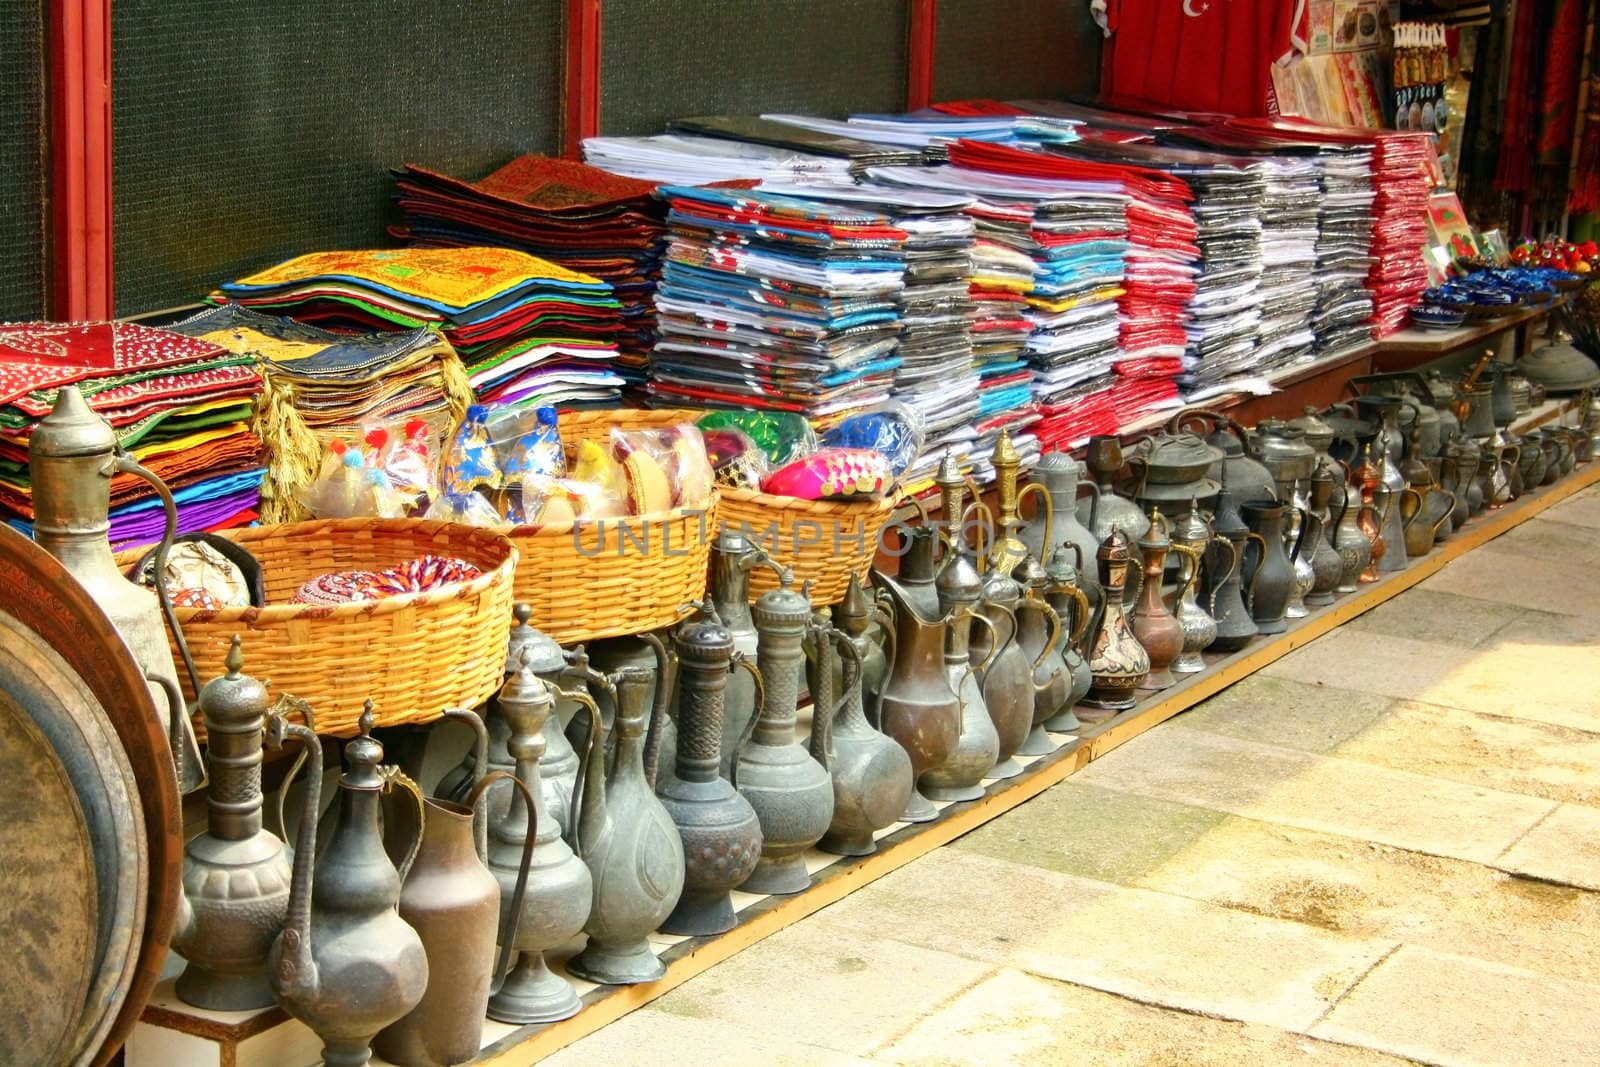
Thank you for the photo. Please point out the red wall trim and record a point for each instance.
(582, 76)
(80, 159)
(919, 58)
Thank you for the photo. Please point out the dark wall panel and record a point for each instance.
(22, 163)
(245, 133)
(665, 59)
(1015, 49)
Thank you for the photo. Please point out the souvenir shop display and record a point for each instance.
(506, 314)
(576, 216)
(179, 406)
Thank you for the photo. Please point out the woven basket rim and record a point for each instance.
(273, 613)
(795, 503)
(670, 515)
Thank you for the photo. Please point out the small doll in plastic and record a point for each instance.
(469, 462)
(409, 461)
(531, 458)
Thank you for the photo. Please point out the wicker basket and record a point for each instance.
(414, 655)
(575, 426)
(609, 578)
(824, 541)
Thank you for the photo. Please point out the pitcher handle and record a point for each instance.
(1094, 511)
(666, 681)
(1080, 614)
(1047, 505)
(1250, 590)
(1235, 561)
(176, 710)
(891, 654)
(282, 707)
(741, 661)
(994, 635)
(508, 936)
(1036, 603)
(480, 766)
(393, 776)
(592, 738)
(1300, 531)
(126, 464)
(1192, 555)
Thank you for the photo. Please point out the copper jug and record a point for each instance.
(1117, 660)
(629, 842)
(719, 830)
(791, 792)
(1072, 607)
(452, 899)
(1327, 566)
(235, 874)
(1350, 538)
(871, 774)
(1008, 548)
(1155, 627)
(346, 964)
(920, 711)
(72, 456)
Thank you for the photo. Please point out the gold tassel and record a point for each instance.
(457, 386)
(292, 453)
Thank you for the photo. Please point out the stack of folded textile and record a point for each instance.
(529, 331)
(1159, 264)
(322, 385)
(1399, 227)
(1289, 261)
(571, 214)
(856, 154)
(935, 377)
(1343, 319)
(931, 132)
(776, 302)
(180, 405)
(687, 159)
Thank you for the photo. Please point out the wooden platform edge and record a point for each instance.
(524, 1047)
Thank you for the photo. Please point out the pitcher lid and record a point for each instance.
(235, 698)
(1193, 528)
(543, 653)
(959, 582)
(783, 608)
(854, 612)
(1058, 462)
(1031, 573)
(1156, 536)
(71, 429)
(705, 638)
(362, 754)
(1115, 547)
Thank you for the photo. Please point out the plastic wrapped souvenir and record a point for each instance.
(530, 452)
(736, 461)
(596, 467)
(832, 472)
(408, 460)
(337, 490)
(891, 428)
(782, 435)
(666, 468)
(468, 463)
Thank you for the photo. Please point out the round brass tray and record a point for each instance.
(51, 910)
(45, 598)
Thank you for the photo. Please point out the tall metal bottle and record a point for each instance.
(72, 456)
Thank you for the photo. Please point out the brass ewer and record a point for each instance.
(72, 457)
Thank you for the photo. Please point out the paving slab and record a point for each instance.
(1080, 829)
(819, 983)
(650, 1037)
(1521, 674)
(1557, 542)
(1333, 795)
(1516, 755)
(1580, 509)
(1169, 950)
(1564, 848)
(1447, 618)
(1279, 711)
(1451, 1009)
(1016, 1018)
(1507, 576)
(1369, 890)
(1154, 947)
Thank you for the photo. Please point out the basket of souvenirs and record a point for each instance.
(410, 613)
(817, 505)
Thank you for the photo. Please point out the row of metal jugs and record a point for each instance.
(630, 789)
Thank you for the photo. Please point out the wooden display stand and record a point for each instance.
(173, 1034)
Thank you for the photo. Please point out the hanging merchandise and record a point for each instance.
(1202, 55)
(1421, 63)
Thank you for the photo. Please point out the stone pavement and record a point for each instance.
(1384, 848)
